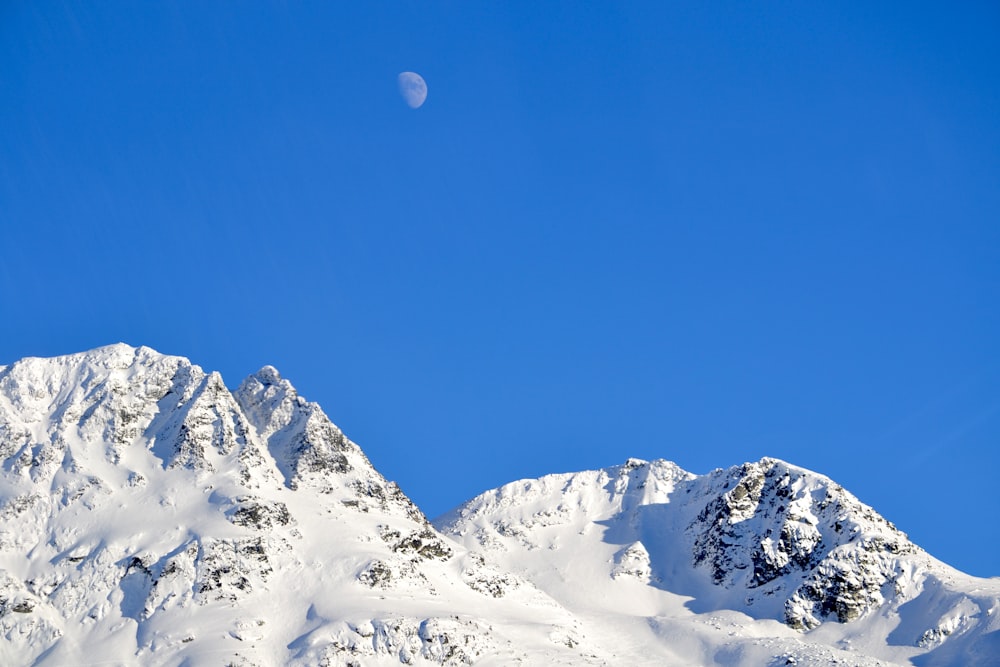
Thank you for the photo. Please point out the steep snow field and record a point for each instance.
(150, 515)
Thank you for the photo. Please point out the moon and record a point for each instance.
(413, 88)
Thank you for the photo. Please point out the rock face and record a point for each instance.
(149, 515)
(774, 530)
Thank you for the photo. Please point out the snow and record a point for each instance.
(149, 515)
(753, 565)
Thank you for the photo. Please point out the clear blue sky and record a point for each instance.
(706, 232)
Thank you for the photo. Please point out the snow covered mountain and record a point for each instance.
(764, 563)
(149, 515)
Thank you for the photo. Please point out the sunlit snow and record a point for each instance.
(150, 515)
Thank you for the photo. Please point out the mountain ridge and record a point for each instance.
(148, 510)
(145, 517)
(766, 539)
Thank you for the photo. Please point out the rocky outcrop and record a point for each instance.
(632, 561)
(776, 530)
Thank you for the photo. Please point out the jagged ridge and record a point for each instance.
(149, 514)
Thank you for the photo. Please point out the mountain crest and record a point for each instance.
(767, 538)
(150, 515)
(769, 527)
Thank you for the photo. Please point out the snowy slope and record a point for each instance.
(760, 564)
(148, 515)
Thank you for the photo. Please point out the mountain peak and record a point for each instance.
(150, 515)
(767, 538)
(267, 376)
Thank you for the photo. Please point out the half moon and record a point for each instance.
(413, 88)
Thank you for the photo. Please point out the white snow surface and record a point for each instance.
(151, 516)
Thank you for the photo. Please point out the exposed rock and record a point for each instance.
(632, 561)
(253, 512)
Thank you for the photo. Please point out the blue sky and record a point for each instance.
(706, 232)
